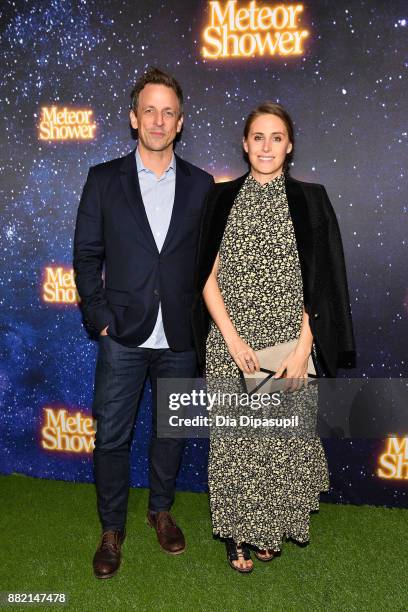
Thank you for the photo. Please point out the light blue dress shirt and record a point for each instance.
(158, 200)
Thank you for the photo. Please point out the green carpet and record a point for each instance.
(356, 560)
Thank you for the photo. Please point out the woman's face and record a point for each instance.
(267, 146)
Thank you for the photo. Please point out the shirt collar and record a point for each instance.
(276, 183)
(141, 167)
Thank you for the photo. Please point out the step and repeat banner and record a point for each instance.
(69, 66)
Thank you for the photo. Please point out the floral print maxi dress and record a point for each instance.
(261, 489)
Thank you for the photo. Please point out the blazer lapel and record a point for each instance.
(130, 184)
(183, 186)
(214, 224)
(299, 213)
(223, 209)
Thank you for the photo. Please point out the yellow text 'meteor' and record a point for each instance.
(252, 30)
(66, 124)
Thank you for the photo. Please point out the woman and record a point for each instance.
(271, 269)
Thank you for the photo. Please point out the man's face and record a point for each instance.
(157, 118)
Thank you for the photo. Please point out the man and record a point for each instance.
(139, 220)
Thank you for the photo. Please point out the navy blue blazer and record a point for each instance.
(113, 237)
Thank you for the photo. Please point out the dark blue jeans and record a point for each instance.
(120, 375)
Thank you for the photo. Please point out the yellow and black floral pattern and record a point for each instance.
(261, 489)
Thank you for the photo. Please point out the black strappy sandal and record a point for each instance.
(235, 552)
(265, 558)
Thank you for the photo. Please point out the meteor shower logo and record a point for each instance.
(66, 432)
(253, 30)
(66, 124)
(59, 286)
(393, 463)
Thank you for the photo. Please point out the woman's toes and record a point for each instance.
(265, 554)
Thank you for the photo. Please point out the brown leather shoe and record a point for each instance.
(170, 537)
(106, 560)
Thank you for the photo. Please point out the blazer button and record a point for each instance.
(156, 292)
(316, 315)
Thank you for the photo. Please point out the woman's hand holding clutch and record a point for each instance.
(243, 355)
(294, 368)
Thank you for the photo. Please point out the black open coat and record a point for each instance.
(326, 297)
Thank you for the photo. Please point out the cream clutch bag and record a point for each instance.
(270, 359)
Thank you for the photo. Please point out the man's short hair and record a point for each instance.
(157, 77)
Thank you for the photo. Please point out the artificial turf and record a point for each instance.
(356, 559)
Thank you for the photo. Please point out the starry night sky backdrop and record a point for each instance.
(347, 96)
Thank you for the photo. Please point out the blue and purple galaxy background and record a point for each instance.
(347, 96)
